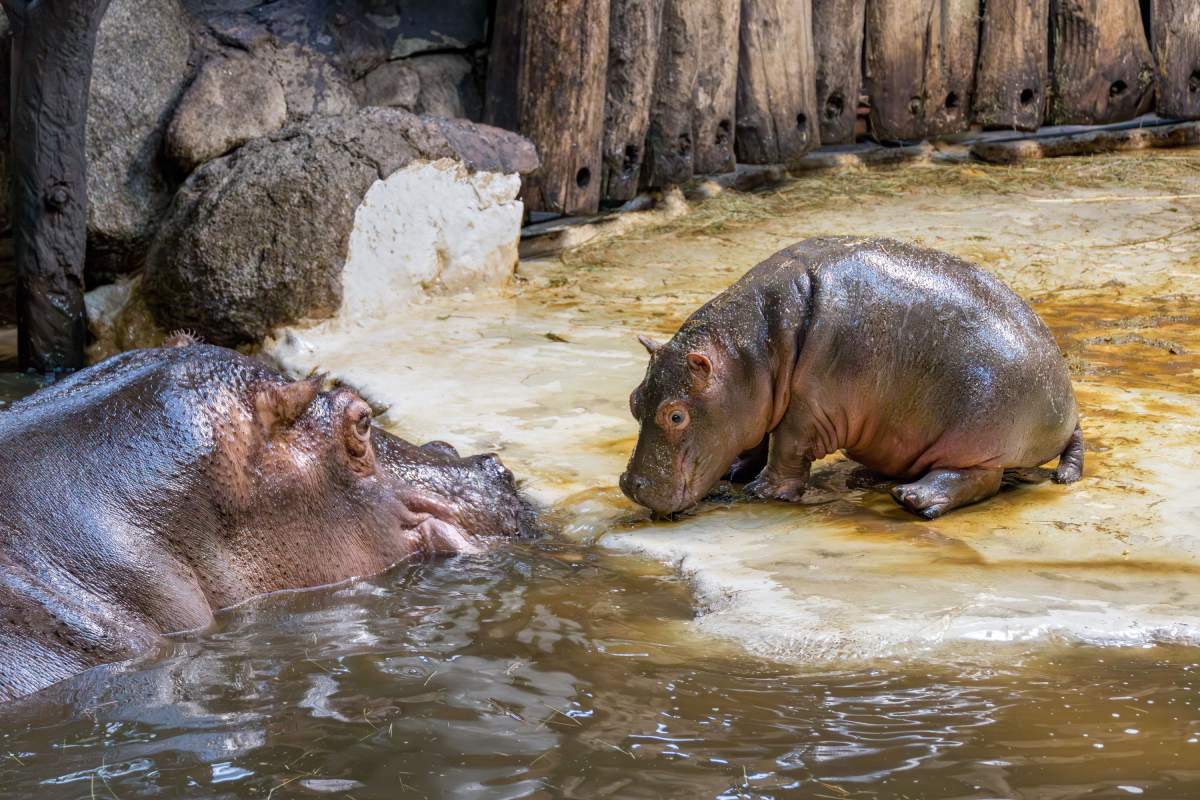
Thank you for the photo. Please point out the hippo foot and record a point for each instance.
(917, 499)
(765, 487)
(943, 490)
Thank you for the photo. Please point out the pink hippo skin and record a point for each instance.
(145, 493)
(919, 365)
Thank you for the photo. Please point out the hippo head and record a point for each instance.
(327, 463)
(690, 432)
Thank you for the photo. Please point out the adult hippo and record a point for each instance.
(145, 493)
(918, 364)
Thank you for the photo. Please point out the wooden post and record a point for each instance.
(776, 95)
(634, 28)
(1014, 68)
(52, 50)
(1103, 71)
(1175, 34)
(669, 145)
(500, 101)
(838, 38)
(551, 59)
(715, 103)
(919, 67)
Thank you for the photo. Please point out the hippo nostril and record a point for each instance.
(491, 462)
(438, 446)
(631, 485)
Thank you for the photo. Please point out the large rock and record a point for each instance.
(232, 101)
(259, 238)
(357, 35)
(441, 85)
(141, 66)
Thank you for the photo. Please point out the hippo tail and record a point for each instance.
(1070, 461)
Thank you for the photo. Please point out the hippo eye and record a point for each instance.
(363, 426)
(677, 418)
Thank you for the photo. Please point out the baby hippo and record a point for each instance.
(918, 364)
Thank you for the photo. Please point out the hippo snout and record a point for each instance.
(633, 486)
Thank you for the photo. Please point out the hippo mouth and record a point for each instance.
(454, 504)
(697, 479)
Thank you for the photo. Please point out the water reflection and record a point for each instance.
(552, 671)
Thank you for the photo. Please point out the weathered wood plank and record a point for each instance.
(1014, 65)
(919, 65)
(838, 39)
(551, 59)
(715, 102)
(776, 94)
(1175, 33)
(1103, 71)
(634, 29)
(670, 154)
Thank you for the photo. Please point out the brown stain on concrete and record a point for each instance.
(1118, 338)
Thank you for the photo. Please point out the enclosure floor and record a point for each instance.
(1105, 248)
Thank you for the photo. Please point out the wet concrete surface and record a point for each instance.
(1106, 249)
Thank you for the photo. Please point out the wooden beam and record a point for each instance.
(669, 143)
(715, 102)
(776, 95)
(1175, 34)
(838, 38)
(634, 29)
(547, 66)
(919, 66)
(1014, 69)
(1103, 71)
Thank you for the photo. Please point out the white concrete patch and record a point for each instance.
(430, 227)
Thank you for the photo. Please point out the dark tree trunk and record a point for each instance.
(1014, 67)
(920, 66)
(838, 37)
(1103, 71)
(715, 102)
(1175, 30)
(504, 66)
(549, 62)
(634, 29)
(669, 145)
(776, 95)
(53, 43)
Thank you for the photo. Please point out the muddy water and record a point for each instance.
(557, 671)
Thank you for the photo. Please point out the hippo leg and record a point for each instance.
(789, 460)
(1070, 463)
(750, 463)
(942, 490)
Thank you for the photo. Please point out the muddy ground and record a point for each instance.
(1107, 249)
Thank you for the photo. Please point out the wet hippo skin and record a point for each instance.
(143, 494)
(919, 365)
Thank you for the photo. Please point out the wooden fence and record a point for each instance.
(621, 95)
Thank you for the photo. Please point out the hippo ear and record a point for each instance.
(651, 346)
(700, 367)
(280, 405)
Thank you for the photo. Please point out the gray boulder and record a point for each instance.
(440, 85)
(141, 67)
(257, 239)
(232, 101)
